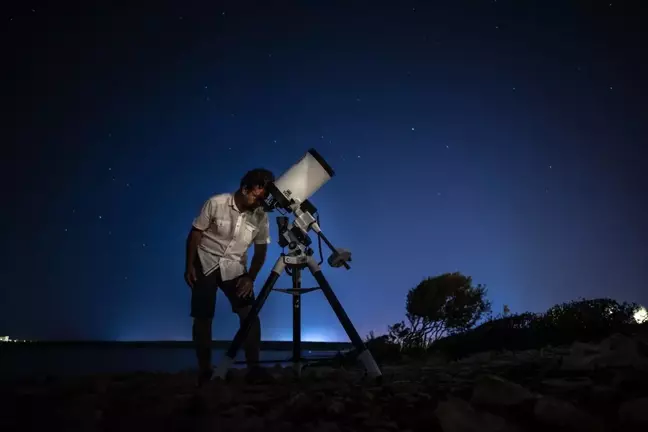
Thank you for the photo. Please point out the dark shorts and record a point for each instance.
(203, 294)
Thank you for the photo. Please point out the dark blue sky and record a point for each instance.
(499, 138)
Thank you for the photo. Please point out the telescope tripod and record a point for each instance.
(296, 261)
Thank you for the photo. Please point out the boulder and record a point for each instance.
(494, 390)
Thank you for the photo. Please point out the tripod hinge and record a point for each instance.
(296, 291)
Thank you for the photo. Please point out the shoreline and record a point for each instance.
(217, 344)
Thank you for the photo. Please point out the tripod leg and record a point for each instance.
(296, 301)
(363, 353)
(243, 331)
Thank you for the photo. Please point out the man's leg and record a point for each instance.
(203, 303)
(242, 306)
(252, 344)
(202, 337)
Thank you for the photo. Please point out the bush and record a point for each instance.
(445, 304)
(582, 320)
(382, 349)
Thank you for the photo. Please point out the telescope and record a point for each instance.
(289, 195)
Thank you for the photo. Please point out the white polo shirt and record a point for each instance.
(228, 233)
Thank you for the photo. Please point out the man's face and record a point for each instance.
(254, 197)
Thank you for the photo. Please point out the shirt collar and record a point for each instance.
(232, 203)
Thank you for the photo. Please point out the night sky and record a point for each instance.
(501, 139)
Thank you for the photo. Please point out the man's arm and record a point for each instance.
(193, 240)
(261, 242)
(260, 251)
(200, 224)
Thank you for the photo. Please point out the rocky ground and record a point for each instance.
(585, 387)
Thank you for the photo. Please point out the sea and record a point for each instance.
(39, 362)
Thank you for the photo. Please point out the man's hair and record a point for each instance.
(257, 177)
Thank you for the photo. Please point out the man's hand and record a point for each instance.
(190, 276)
(244, 286)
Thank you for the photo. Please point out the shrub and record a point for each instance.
(445, 304)
(583, 320)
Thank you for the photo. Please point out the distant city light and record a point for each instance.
(641, 315)
(8, 339)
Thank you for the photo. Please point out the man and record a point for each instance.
(217, 248)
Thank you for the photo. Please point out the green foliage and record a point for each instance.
(584, 320)
(445, 304)
(442, 312)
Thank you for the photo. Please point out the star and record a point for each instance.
(496, 27)
(143, 244)
(550, 167)
(65, 229)
(358, 156)
(100, 217)
(412, 128)
(127, 184)
(109, 169)
(513, 88)
(447, 146)
(610, 87)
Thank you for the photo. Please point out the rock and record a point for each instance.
(457, 415)
(615, 351)
(299, 399)
(583, 393)
(493, 390)
(336, 406)
(634, 412)
(240, 411)
(477, 358)
(325, 426)
(563, 414)
(251, 423)
(443, 377)
(565, 385)
(581, 357)
(601, 393)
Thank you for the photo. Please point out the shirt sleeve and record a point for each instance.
(263, 234)
(202, 221)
